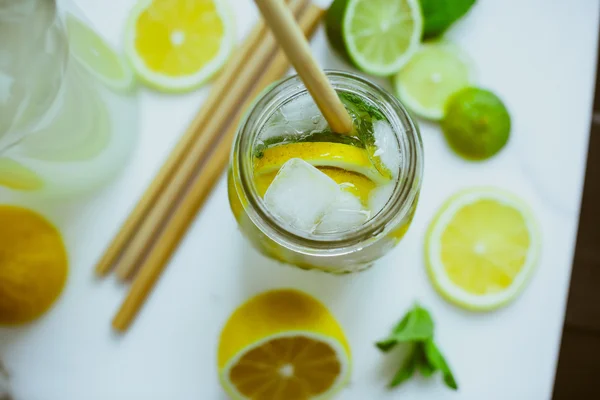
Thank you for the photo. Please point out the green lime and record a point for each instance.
(439, 15)
(378, 37)
(431, 76)
(476, 123)
(97, 56)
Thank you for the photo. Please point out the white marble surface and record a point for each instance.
(538, 55)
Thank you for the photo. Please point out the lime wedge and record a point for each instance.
(482, 248)
(433, 74)
(96, 56)
(378, 37)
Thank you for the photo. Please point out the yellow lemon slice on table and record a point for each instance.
(33, 265)
(176, 45)
(283, 345)
(481, 248)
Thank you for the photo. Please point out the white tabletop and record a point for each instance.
(538, 55)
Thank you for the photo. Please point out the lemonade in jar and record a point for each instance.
(320, 200)
(68, 111)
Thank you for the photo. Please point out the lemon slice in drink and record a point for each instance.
(97, 56)
(433, 74)
(481, 248)
(283, 345)
(378, 37)
(176, 45)
(319, 154)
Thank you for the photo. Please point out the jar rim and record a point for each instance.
(398, 204)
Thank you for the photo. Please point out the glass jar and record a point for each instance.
(338, 253)
(63, 129)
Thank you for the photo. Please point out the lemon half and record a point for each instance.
(176, 45)
(33, 265)
(482, 248)
(283, 345)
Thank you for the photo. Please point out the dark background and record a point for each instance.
(578, 373)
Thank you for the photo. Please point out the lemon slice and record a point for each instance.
(481, 248)
(16, 176)
(176, 45)
(97, 56)
(357, 184)
(319, 154)
(431, 76)
(283, 345)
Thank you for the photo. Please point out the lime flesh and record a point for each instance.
(433, 74)
(376, 36)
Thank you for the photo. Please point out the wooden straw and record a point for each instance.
(201, 187)
(222, 85)
(253, 66)
(294, 44)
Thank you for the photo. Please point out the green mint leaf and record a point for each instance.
(416, 325)
(437, 360)
(407, 369)
(425, 367)
(389, 343)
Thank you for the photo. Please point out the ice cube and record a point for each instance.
(300, 195)
(379, 197)
(387, 146)
(344, 214)
(300, 116)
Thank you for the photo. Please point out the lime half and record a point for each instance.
(482, 248)
(97, 56)
(377, 36)
(476, 123)
(431, 76)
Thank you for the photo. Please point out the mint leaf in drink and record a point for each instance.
(416, 325)
(439, 15)
(436, 359)
(407, 369)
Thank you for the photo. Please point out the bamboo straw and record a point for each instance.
(132, 255)
(294, 44)
(201, 187)
(221, 86)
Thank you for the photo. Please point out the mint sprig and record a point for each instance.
(417, 330)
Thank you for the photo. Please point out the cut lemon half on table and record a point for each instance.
(176, 45)
(378, 37)
(319, 154)
(431, 76)
(33, 265)
(481, 248)
(283, 345)
(97, 56)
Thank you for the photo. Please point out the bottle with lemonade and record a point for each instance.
(319, 200)
(68, 114)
